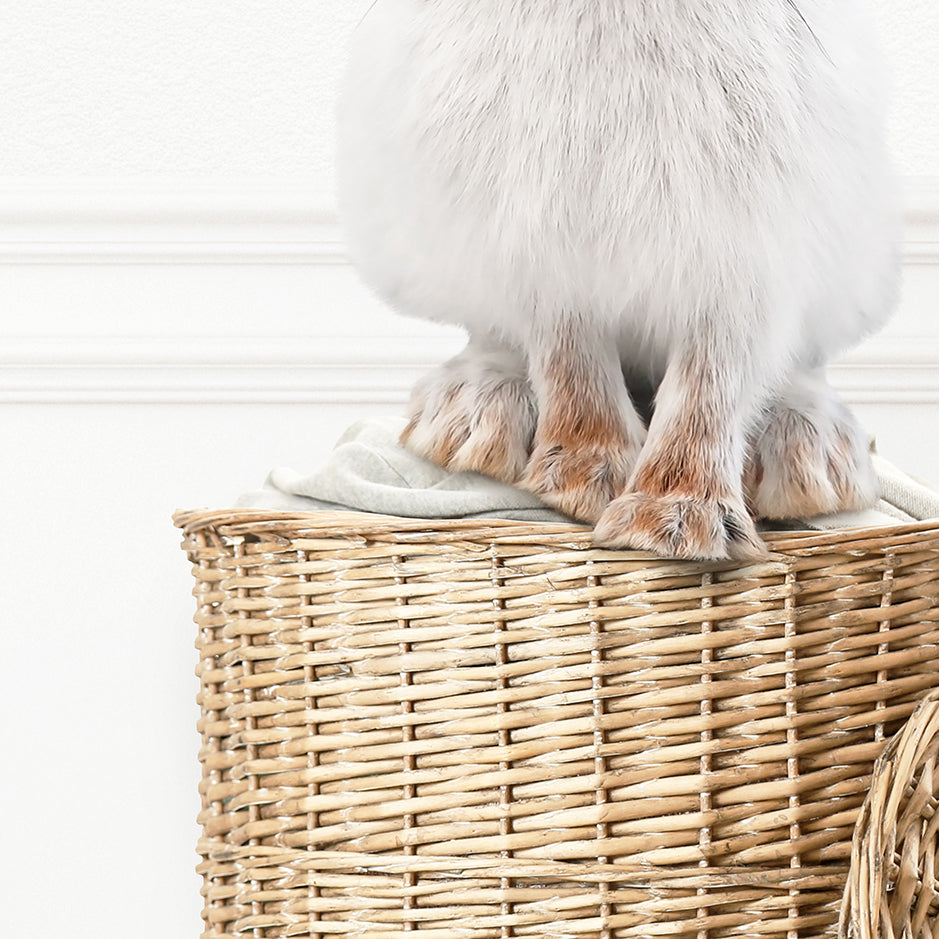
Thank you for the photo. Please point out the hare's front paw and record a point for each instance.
(680, 526)
(809, 459)
(473, 416)
(581, 480)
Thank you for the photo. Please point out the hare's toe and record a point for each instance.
(580, 481)
(472, 419)
(680, 526)
(809, 462)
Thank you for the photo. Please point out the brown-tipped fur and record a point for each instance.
(584, 451)
(472, 420)
(580, 481)
(802, 465)
(452, 432)
(680, 527)
(681, 502)
(681, 466)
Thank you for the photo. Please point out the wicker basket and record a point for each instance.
(490, 729)
(893, 884)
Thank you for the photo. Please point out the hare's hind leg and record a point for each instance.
(808, 455)
(588, 435)
(475, 413)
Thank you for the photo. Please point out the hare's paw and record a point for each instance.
(580, 481)
(680, 526)
(468, 417)
(808, 462)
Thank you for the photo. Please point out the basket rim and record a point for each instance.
(237, 521)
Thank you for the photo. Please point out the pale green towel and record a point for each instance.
(369, 471)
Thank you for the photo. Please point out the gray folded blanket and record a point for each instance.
(369, 471)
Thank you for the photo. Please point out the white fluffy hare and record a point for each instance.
(657, 220)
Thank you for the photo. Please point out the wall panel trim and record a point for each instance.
(266, 224)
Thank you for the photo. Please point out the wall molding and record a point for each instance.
(337, 370)
(232, 221)
(326, 252)
(186, 224)
(921, 220)
(217, 370)
(240, 221)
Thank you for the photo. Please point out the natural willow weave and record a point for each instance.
(893, 886)
(491, 729)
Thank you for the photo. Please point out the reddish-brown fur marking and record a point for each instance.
(684, 499)
(583, 452)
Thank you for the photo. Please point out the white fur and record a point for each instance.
(831, 470)
(500, 157)
(481, 407)
(675, 171)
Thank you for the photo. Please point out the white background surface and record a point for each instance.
(165, 201)
(235, 87)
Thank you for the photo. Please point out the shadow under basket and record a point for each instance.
(490, 729)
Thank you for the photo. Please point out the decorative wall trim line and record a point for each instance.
(190, 223)
(892, 370)
(246, 370)
(336, 370)
(239, 221)
(64, 221)
(327, 252)
(921, 220)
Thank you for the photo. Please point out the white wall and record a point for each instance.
(129, 87)
(236, 87)
(178, 317)
(910, 30)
